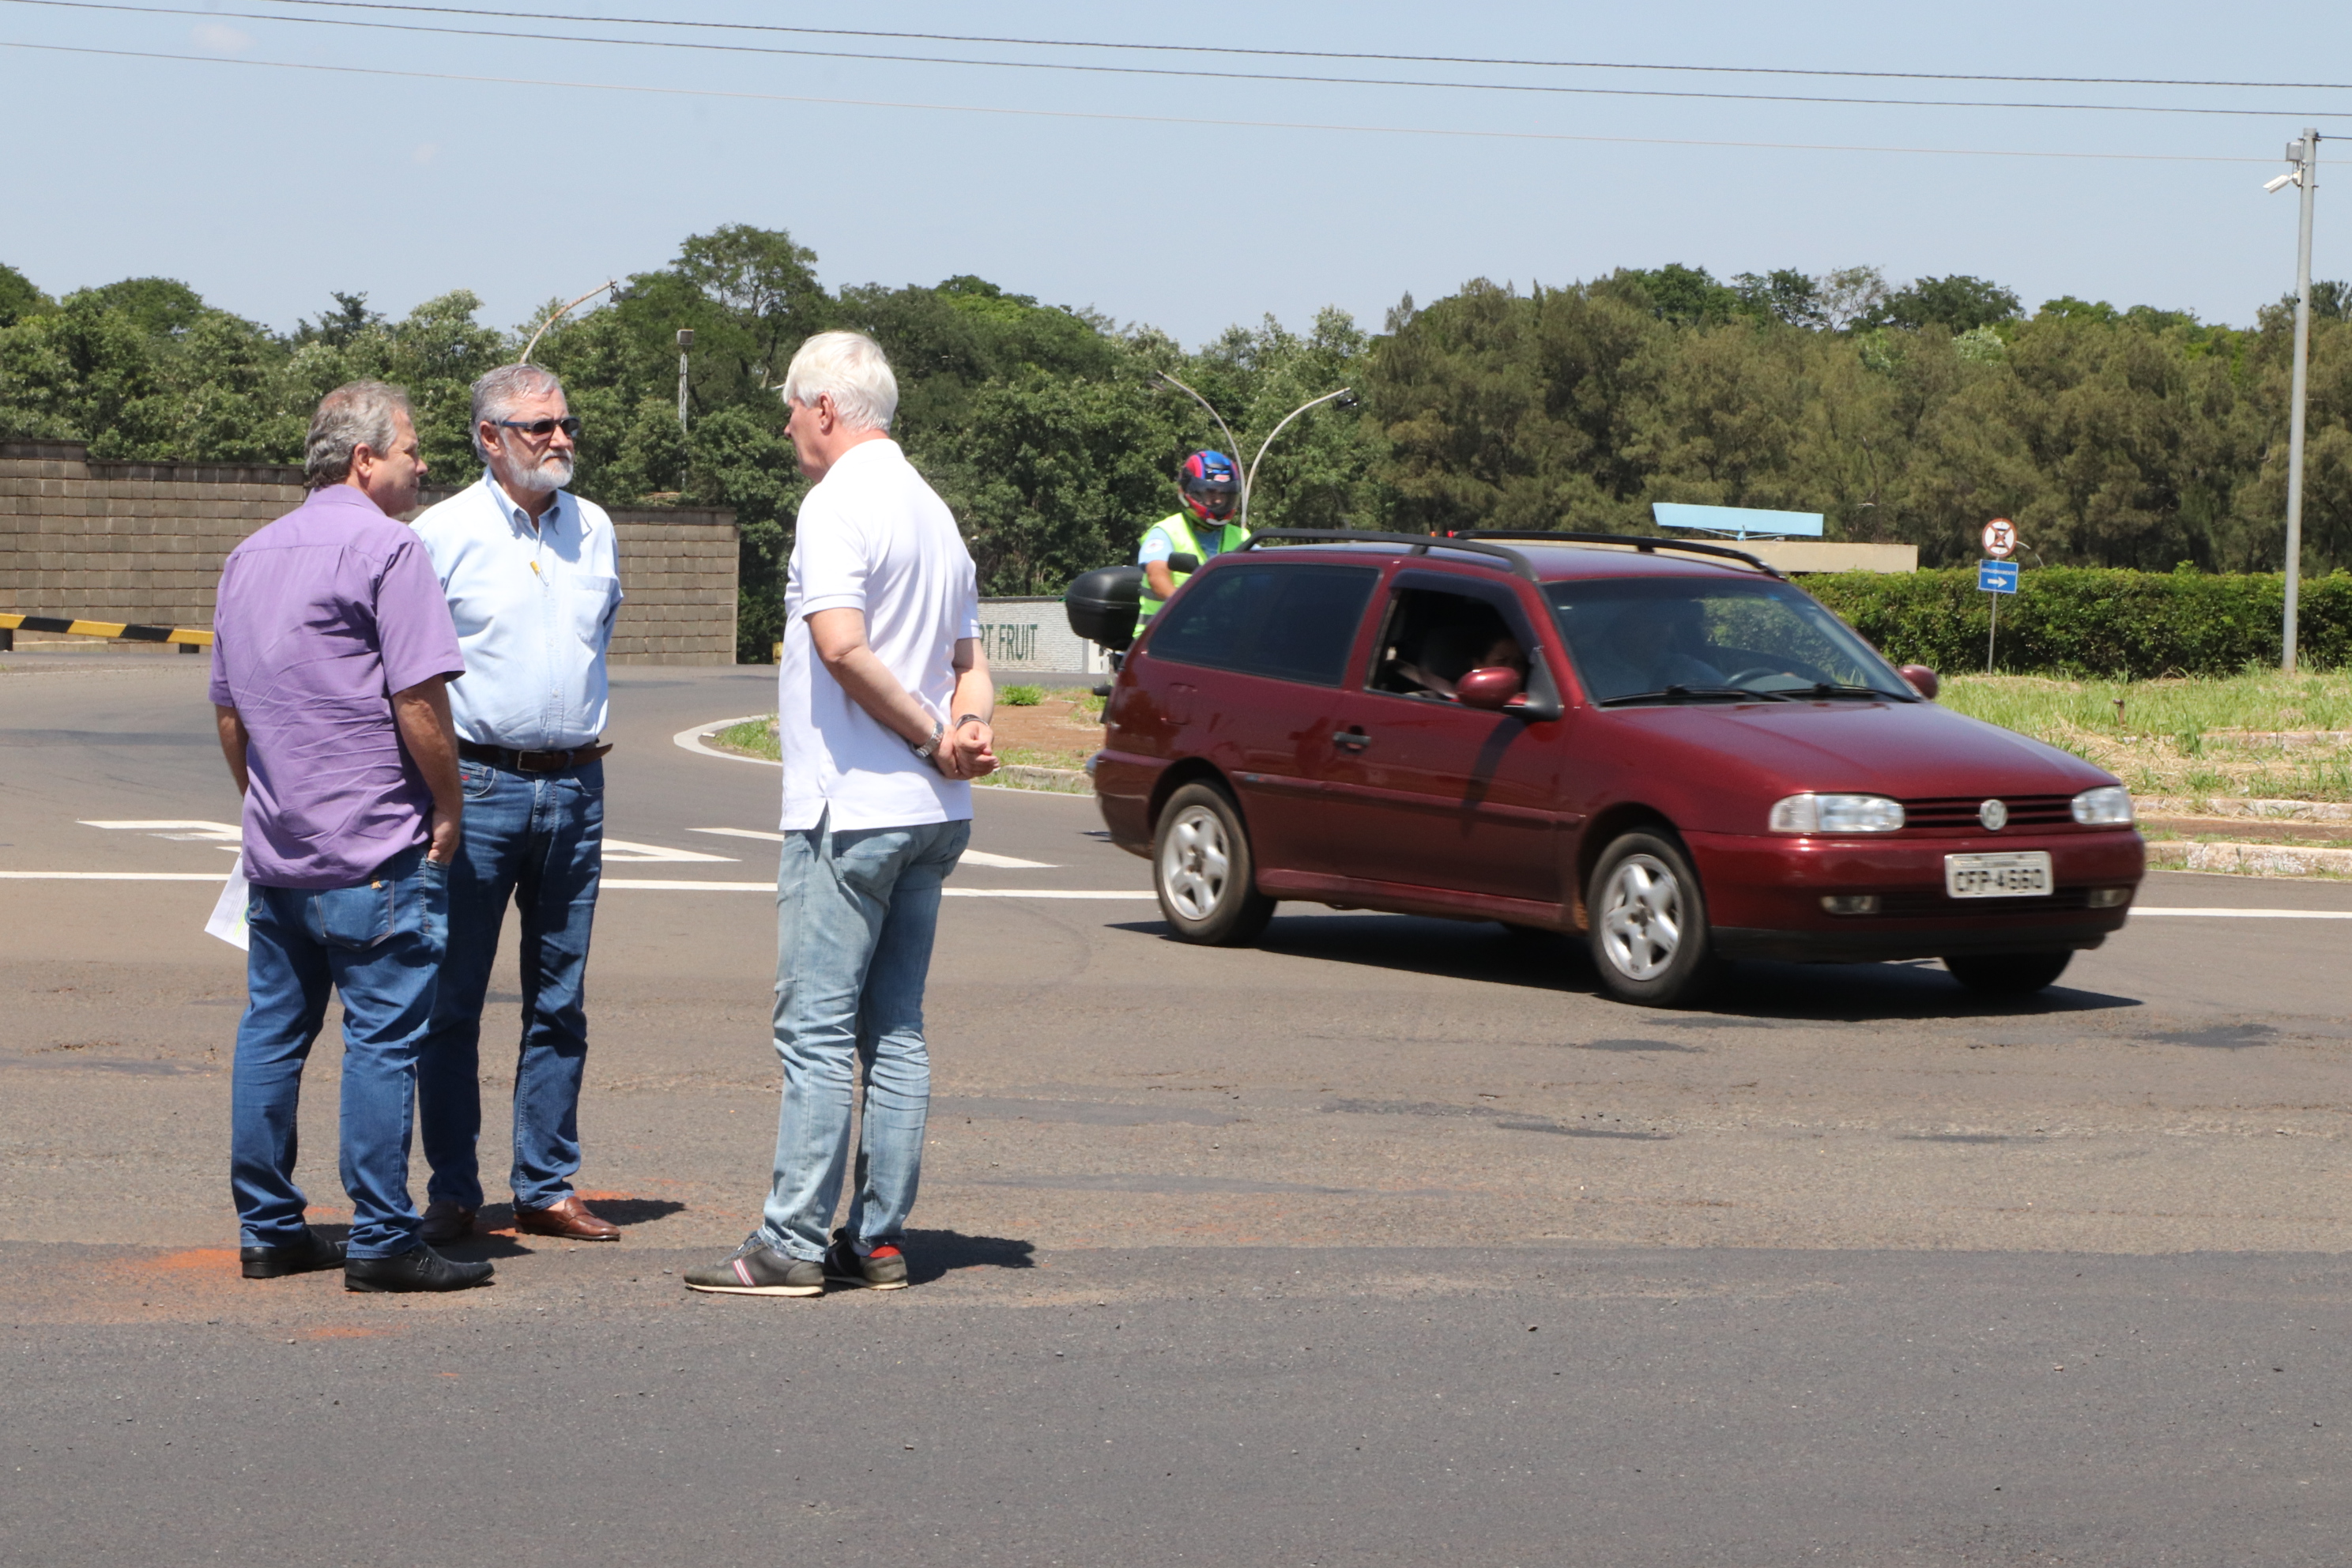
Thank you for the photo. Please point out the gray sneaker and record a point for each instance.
(759, 1269)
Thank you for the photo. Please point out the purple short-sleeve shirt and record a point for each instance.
(321, 616)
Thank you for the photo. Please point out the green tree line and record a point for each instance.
(2137, 438)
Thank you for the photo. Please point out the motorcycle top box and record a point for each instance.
(1102, 605)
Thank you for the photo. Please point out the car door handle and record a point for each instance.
(1351, 739)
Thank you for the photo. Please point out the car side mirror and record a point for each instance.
(1184, 565)
(1490, 689)
(1922, 679)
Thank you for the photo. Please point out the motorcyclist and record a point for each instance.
(1211, 491)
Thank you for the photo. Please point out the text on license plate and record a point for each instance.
(2019, 874)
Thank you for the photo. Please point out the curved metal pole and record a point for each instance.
(612, 283)
(1220, 418)
(1250, 483)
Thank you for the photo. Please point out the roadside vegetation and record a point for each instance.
(2137, 438)
(2262, 735)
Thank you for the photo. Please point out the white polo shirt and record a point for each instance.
(872, 536)
(534, 610)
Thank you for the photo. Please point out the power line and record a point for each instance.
(1170, 72)
(1336, 54)
(1126, 118)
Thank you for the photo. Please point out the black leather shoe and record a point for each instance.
(312, 1253)
(444, 1222)
(418, 1268)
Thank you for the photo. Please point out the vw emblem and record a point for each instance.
(1994, 815)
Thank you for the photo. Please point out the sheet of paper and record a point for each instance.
(227, 922)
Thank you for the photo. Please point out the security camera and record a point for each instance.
(2283, 181)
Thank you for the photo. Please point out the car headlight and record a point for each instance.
(2106, 806)
(1837, 814)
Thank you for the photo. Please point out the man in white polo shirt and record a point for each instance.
(883, 707)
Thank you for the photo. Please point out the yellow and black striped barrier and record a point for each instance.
(187, 637)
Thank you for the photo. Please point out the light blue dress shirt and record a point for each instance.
(534, 611)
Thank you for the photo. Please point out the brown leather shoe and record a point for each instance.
(567, 1217)
(444, 1222)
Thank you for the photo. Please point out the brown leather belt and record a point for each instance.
(506, 757)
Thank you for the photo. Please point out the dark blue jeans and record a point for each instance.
(536, 839)
(379, 947)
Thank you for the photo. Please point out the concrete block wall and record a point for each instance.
(144, 542)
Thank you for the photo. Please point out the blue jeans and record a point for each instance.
(856, 912)
(378, 945)
(539, 840)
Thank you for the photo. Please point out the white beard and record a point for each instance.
(552, 474)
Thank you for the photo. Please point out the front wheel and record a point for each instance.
(2008, 973)
(1649, 931)
(1202, 869)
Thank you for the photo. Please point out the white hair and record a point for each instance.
(848, 367)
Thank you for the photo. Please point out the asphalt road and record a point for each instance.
(1385, 1242)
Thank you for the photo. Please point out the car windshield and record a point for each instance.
(1695, 639)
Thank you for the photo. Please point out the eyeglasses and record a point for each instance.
(569, 424)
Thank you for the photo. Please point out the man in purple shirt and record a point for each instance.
(333, 648)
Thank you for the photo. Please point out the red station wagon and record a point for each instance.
(1659, 745)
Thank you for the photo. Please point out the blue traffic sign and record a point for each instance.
(1997, 576)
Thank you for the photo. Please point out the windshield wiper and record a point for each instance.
(1676, 693)
(1829, 689)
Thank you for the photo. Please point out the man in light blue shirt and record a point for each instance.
(533, 581)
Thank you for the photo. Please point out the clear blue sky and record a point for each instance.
(266, 188)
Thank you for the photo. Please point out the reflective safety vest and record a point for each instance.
(1184, 540)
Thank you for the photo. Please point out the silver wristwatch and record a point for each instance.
(929, 748)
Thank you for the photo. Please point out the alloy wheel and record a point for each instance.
(1195, 861)
(1641, 917)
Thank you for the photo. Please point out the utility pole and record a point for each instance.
(2304, 156)
(685, 341)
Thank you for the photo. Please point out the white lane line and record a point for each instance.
(976, 857)
(647, 886)
(691, 740)
(114, 875)
(629, 852)
(2255, 914)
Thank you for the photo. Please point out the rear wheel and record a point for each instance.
(2008, 973)
(1648, 915)
(1203, 871)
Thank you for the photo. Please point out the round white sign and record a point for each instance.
(1999, 537)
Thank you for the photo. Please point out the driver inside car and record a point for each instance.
(1657, 645)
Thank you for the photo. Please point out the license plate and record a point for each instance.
(2020, 874)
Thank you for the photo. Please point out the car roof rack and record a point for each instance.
(1646, 545)
(1414, 543)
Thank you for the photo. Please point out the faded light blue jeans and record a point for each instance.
(856, 913)
(378, 946)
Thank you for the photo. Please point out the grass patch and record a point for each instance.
(2183, 737)
(1020, 696)
(751, 737)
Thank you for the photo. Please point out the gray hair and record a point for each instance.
(496, 394)
(849, 368)
(356, 414)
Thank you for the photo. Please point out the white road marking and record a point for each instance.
(183, 830)
(630, 852)
(114, 875)
(691, 740)
(2255, 914)
(976, 857)
(654, 887)
(1005, 862)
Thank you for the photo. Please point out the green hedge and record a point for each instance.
(2084, 621)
